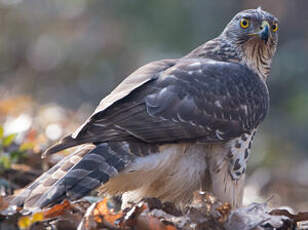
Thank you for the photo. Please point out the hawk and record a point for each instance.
(173, 126)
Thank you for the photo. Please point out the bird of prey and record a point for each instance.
(173, 126)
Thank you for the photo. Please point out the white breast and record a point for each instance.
(176, 172)
(171, 175)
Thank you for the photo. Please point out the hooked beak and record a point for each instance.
(264, 32)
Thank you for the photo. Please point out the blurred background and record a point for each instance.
(59, 58)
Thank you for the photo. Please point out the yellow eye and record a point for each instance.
(275, 27)
(244, 23)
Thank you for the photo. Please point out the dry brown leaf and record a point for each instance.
(57, 210)
(139, 217)
(224, 211)
(103, 214)
(297, 218)
(131, 214)
(146, 222)
(4, 202)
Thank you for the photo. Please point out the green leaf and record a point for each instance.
(8, 140)
(26, 146)
(1, 132)
(15, 156)
(6, 162)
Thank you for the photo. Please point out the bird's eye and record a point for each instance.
(275, 27)
(244, 23)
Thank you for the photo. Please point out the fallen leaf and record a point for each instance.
(146, 222)
(4, 202)
(1, 131)
(224, 211)
(8, 140)
(299, 217)
(57, 210)
(26, 146)
(102, 213)
(26, 221)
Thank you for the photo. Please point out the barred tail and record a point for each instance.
(64, 143)
(75, 176)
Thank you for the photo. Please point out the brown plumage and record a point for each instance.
(173, 126)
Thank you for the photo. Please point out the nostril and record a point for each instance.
(261, 27)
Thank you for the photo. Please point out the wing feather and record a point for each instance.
(192, 100)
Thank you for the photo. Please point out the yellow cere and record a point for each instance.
(244, 23)
(275, 27)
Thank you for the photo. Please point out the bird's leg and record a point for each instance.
(223, 185)
(238, 154)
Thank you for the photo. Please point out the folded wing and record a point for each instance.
(186, 100)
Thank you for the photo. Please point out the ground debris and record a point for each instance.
(205, 212)
(301, 218)
(257, 217)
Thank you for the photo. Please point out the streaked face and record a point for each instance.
(253, 24)
(254, 33)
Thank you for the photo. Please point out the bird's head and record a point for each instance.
(254, 32)
(253, 25)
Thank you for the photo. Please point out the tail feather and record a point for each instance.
(75, 176)
(30, 194)
(64, 143)
(89, 173)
